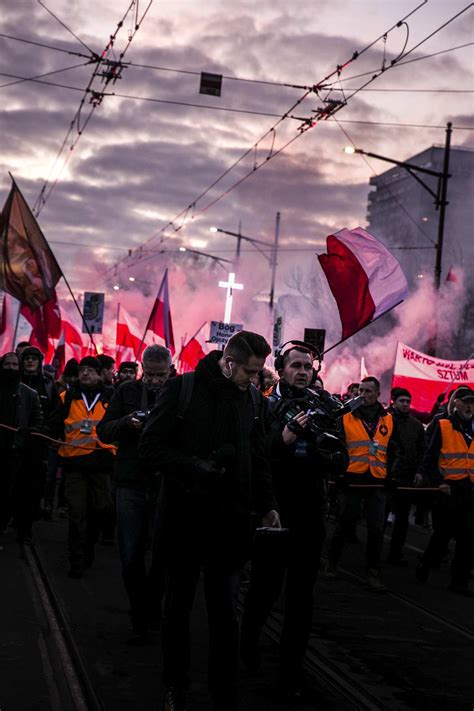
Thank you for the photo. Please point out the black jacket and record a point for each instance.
(19, 407)
(411, 439)
(114, 429)
(202, 516)
(298, 469)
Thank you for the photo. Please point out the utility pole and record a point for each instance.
(274, 260)
(442, 203)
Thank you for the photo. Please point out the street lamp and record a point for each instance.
(217, 260)
(440, 196)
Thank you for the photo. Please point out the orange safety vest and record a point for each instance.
(72, 428)
(456, 459)
(363, 455)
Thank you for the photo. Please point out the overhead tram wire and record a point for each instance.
(39, 76)
(96, 99)
(310, 123)
(63, 24)
(192, 206)
(219, 108)
(267, 82)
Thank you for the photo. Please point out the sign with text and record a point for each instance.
(426, 376)
(93, 311)
(221, 332)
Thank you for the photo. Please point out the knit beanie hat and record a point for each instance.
(90, 362)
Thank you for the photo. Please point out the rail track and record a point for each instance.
(81, 694)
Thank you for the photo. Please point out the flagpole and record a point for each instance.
(362, 327)
(17, 321)
(116, 330)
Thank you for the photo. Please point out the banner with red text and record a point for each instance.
(426, 376)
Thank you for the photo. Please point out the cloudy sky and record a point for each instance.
(137, 163)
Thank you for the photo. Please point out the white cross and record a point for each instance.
(230, 285)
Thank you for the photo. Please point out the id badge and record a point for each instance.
(373, 447)
(86, 427)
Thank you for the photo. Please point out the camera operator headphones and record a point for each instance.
(280, 355)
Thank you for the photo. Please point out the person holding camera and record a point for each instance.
(301, 456)
(206, 435)
(136, 484)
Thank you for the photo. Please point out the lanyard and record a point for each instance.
(89, 408)
(371, 429)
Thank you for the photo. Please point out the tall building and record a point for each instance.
(402, 213)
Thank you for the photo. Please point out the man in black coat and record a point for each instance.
(20, 408)
(300, 462)
(411, 440)
(135, 483)
(211, 455)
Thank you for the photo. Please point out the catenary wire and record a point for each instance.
(39, 76)
(191, 207)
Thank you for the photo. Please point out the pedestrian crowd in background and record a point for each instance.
(230, 471)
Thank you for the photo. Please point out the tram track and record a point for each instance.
(82, 693)
(414, 604)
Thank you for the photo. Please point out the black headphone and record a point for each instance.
(280, 355)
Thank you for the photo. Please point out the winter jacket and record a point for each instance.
(411, 438)
(202, 516)
(114, 428)
(430, 467)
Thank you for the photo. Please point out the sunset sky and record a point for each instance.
(139, 163)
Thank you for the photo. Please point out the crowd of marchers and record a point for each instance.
(227, 471)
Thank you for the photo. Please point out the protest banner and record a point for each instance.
(426, 376)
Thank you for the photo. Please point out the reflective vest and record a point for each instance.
(73, 425)
(366, 453)
(456, 458)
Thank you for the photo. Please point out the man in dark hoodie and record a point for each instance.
(136, 484)
(19, 408)
(371, 439)
(86, 462)
(211, 456)
(411, 438)
(449, 464)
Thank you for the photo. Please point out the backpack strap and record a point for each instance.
(257, 401)
(187, 384)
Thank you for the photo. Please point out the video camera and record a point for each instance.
(141, 415)
(324, 412)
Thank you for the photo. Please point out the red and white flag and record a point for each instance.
(45, 322)
(426, 376)
(160, 322)
(365, 278)
(193, 351)
(6, 324)
(364, 373)
(128, 342)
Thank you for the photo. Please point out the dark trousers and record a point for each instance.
(144, 589)
(295, 553)
(50, 484)
(88, 499)
(454, 519)
(352, 502)
(400, 504)
(27, 490)
(10, 465)
(221, 590)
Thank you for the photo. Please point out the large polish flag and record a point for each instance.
(129, 343)
(193, 351)
(365, 278)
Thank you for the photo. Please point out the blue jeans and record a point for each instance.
(144, 589)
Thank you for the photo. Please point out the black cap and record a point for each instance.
(464, 394)
(400, 392)
(128, 364)
(90, 362)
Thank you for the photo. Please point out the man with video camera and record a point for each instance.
(206, 434)
(135, 483)
(301, 455)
